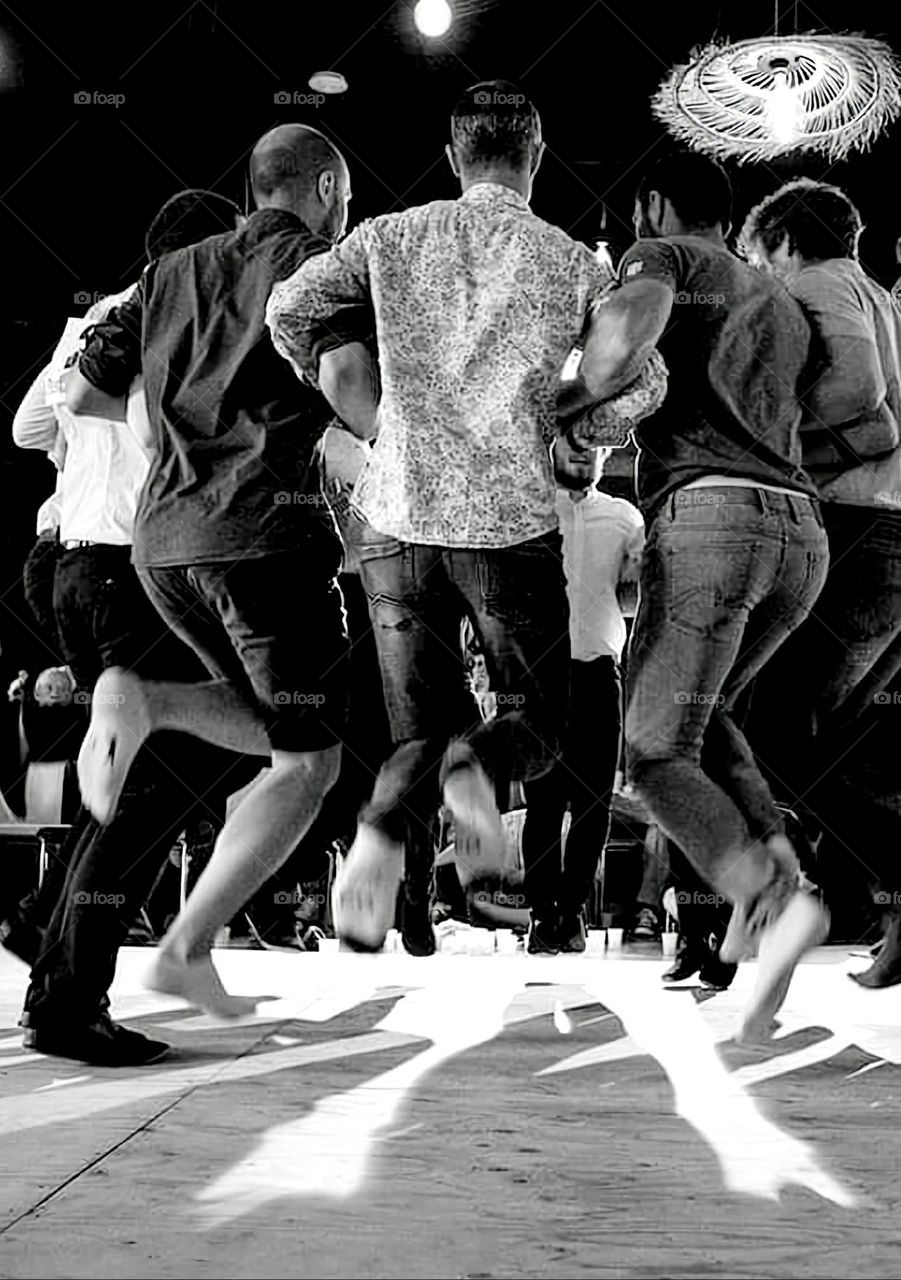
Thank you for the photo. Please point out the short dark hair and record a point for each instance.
(186, 219)
(494, 121)
(819, 220)
(697, 186)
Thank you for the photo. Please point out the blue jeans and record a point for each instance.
(516, 600)
(728, 574)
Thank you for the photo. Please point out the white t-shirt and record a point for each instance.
(603, 538)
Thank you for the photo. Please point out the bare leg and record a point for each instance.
(257, 839)
(125, 710)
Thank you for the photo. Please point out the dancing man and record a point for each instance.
(478, 304)
(233, 541)
(736, 553)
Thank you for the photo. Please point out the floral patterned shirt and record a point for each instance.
(478, 303)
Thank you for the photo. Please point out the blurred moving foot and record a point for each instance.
(364, 896)
(198, 983)
(479, 835)
(803, 924)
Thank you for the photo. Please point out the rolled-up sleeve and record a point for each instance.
(609, 424)
(111, 359)
(324, 305)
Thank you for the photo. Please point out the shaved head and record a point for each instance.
(298, 168)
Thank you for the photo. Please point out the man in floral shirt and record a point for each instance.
(478, 304)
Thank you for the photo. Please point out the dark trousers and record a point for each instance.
(824, 693)
(38, 576)
(516, 600)
(105, 619)
(728, 573)
(583, 779)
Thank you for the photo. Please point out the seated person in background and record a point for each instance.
(603, 538)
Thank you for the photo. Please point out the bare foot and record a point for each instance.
(803, 924)
(198, 983)
(479, 836)
(120, 724)
(364, 896)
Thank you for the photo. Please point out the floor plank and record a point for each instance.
(462, 1116)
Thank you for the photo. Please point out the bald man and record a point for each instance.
(234, 542)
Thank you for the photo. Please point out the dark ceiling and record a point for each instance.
(198, 83)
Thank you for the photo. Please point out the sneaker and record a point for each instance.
(544, 937)
(647, 926)
(101, 1043)
(715, 975)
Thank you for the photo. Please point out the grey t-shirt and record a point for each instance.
(736, 347)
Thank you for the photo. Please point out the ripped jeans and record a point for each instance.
(418, 597)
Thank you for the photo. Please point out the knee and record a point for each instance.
(312, 769)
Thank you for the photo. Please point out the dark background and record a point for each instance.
(81, 182)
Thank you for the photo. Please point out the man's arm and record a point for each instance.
(98, 385)
(35, 425)
(324, 306)
(624, 330)
(848, 381)
(349, 380)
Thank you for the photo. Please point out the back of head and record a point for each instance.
(296, 168)
(186, 219)
(697, 188)
(818, 220)
(494, 125)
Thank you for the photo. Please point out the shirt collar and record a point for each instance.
(263, 223)
(494, 193)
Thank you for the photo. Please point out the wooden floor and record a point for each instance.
(462, 1116)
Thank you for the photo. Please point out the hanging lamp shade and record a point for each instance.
(759, 99)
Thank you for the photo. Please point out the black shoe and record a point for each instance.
(690, 959)
(21, 939)
(715, 974)
(544, 936)
(101, 1043)
(885, 971)
(571, 933)
(416, 930)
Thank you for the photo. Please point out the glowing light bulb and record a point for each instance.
(784, 112)
(602, 255)
(433, 17)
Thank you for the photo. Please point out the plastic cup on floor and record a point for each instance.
(329, 945)
(597, 942)
(506, 942)
(670, 942)
(614, 939)
(392, 941)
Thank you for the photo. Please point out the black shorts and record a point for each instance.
(275, 628)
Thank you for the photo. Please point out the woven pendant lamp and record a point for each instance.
(759, 99)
